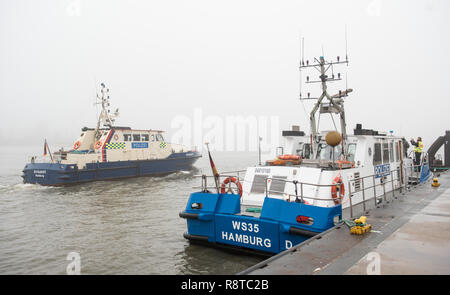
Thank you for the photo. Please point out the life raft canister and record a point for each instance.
(98, 144)
(338, 185)
(342, 162)
(227, 181)
(289, 157)
(76, 145)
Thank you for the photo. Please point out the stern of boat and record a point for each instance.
(48, 173)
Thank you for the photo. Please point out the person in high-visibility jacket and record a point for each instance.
(418, 148)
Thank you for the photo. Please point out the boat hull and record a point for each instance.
(216, 219)
(57, 174)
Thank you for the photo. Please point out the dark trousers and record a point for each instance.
(417, 160)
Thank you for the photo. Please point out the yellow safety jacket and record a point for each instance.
(419, 147)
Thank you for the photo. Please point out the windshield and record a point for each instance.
(325, 152)
(351, 150)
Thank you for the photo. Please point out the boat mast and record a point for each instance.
(335, 103)
(106, 118)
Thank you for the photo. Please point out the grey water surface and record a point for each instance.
(118, 227)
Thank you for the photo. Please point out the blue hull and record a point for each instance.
(56, 174)
(216, 219)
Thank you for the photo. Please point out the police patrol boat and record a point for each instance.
(110, 152)
(308, 183)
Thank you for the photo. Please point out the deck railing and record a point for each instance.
(236, 174)
(397, 179)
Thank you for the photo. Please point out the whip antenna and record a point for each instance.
(346, 45)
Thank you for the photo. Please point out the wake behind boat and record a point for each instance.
(110, 152)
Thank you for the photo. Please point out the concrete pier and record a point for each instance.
(410, 235)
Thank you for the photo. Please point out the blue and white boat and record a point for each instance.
(305, 188)
(110, 152)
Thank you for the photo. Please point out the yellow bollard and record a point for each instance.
(435, 182)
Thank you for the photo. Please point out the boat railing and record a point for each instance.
(228, 174)
(298, 187)
(40, 159)
(399, 176)
(397, 179)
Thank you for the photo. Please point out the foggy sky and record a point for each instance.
(162, 59)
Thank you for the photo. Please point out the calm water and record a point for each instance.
(118, 227)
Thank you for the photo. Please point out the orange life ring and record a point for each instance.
(235, 181)
(76, 145)
(337, 185)
(98, 145)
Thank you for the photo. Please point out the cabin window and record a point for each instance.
(326, 152)
(306, 152)
(280, 151)
(391, 151)
(377, 154)
(127, 137)
(277, 184)
(385, 153)
(136, 137)
(397, 156)
(82, 134)
(144, 137)
(159, 137)
(351, 150)
(152, 137)
(259, 184)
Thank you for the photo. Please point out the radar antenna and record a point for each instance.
(106, 117)
(334, 103)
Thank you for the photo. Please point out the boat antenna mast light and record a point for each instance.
(334, 103)
(106, 118)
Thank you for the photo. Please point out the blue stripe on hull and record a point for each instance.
(62, 174)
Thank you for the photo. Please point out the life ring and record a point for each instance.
(235, 181)
(98, 145)
(76, 145)
(337, 185)
(116, 137)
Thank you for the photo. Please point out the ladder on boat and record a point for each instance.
(418, 173)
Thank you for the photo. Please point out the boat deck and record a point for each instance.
(410, 234)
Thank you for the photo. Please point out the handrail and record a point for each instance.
(400, 177)
(295, 182)
(205, 177)
(227, 173)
